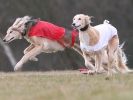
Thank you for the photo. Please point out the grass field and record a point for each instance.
(64, 85)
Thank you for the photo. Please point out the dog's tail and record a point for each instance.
(105, 22)
(122, 60)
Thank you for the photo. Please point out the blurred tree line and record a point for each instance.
(61, 12)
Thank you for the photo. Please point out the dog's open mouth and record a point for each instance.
(9, 40)
(76, 26)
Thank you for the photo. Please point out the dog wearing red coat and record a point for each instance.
(42, 36)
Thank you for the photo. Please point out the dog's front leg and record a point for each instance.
(88, 63)
(32, 53)
(98, 62)
(30, 47)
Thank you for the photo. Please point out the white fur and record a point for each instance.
(106, 32)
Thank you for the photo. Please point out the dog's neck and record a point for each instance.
(84, 28)
(28, 26)
(26, 31)
(93, 35)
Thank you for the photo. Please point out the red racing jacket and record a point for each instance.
(47, 30)
(50, 31)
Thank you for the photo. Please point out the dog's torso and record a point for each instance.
(48, 45)
(106, 32)
(52, 37)
(46, 30)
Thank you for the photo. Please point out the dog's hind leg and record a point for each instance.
(32, 53)
(112, 48)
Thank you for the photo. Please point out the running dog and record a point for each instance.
(41, 40)
(42, 36)
(100, 42)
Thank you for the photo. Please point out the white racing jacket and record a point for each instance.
(106, 32)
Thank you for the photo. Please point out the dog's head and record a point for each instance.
(81, 20)
(17, 30)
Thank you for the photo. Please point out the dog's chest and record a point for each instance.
(29, 40)
(84, 38)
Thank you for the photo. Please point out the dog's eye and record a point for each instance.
(79, 19)
(74, 19)
(11, 31)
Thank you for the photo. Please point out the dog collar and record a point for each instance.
(84, 28)
(24, 33)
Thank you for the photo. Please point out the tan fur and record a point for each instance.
(38, 45)
(94, 36)
(111, 51)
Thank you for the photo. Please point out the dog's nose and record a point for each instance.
(4, 40)
(73, 24)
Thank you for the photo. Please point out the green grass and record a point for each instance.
(64, 85)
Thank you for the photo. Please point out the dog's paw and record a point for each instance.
(25, 51)
(34, 59)
(100, 71)
(17, 67)
(91, 72)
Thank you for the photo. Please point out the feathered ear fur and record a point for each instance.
(29, 24)
(21, 21)
(88, 19)
(16, 21)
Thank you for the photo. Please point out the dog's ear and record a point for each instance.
(31, 22)
(88, 19)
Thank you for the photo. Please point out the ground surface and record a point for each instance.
(67, 85)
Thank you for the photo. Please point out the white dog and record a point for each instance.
(42, 36)
(101, 41)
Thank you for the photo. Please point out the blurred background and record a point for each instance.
(61, 12)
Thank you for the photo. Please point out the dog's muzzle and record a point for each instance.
(4, 40)
(74, 25)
